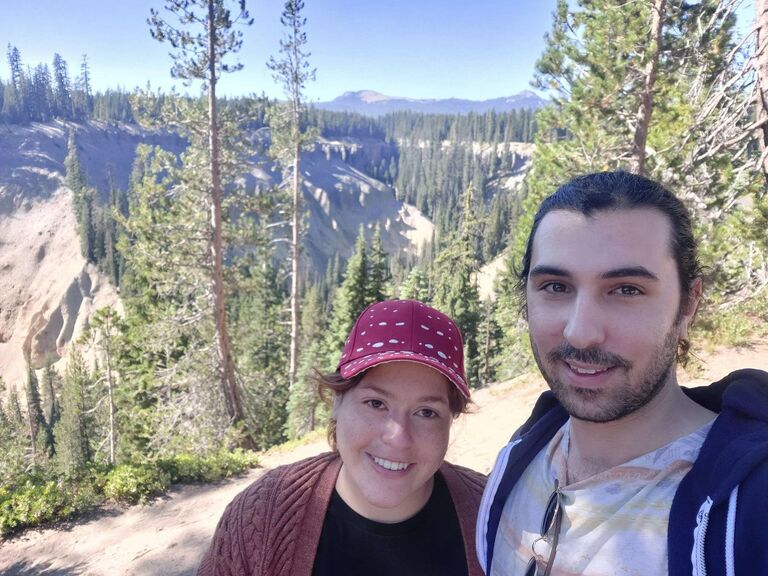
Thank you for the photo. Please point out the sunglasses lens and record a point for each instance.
(551, 512)
(531, 569)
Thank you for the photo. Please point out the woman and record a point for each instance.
(383, 501)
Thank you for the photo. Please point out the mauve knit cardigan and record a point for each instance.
(273, 527)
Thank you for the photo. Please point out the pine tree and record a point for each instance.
(40, 436)
(72, 432)
(654, 87)
(203, 38)
(378, 270)
(12, 437)
(350, 300)
(15, 98)
(103, 331)
(303, 401)
(289, 137)
(455, 284)
(416, 286)
(62, 89)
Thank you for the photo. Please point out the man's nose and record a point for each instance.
(585, 324)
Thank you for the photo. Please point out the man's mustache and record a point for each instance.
(565, 352)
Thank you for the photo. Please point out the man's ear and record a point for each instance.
(691, 306)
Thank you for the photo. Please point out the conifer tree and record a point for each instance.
(203, 35)
(12, 437)
(73, 430)
(351, 298)
(289, 137)
(40, 437)
(303, 401)
(455, 284)
(15, 104)
(378, 269)
(416, 285)
(62, 89)
(653, 87)
(105, 325)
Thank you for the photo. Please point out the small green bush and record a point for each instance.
(132, 483)
(38, 501)
(223, 464)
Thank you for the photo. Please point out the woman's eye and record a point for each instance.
(377, 404)
(427, 413)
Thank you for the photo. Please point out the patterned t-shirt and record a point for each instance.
(614, 523)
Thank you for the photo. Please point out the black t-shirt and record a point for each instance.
(428, 544)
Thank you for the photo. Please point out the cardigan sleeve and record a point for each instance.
(272, 527)
(237, 543)
(466, 488)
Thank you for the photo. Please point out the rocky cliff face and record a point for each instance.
(48, 293)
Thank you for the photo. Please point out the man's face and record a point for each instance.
(603, 303)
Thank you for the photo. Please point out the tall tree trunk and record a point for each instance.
(226, 365)
(110, 389)
(295, 259)
(761, 55)
(646, 98)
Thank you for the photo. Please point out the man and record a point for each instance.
(619, 470)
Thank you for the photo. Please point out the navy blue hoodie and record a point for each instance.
(718, 522)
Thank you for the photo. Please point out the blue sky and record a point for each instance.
(417, 48)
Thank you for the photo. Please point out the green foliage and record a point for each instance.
(38, 500)
(73, 432)
(455, 285)
(698, 134)
(303, 401)
(222, 464)
(416, 285)
(135, 483)
(735, 325)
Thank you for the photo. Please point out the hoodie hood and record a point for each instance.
(738, 441)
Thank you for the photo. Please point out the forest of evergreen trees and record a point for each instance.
(157, 397)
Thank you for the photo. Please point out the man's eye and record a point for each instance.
(427, 413)
(629, 291)
(377, 404)
(555, 287)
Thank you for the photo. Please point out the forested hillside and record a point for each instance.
(244, 250)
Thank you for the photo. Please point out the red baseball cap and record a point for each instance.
(405, 330)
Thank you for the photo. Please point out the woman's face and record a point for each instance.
(392, 433)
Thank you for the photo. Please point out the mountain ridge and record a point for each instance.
(373, 103)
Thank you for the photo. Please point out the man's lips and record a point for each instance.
(587, 370)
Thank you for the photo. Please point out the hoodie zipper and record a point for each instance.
(730, 534)
(699, 535)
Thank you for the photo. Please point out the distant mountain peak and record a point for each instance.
(372, 103)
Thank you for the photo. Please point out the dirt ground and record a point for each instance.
(169, 536)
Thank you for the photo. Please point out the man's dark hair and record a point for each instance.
(619, 190)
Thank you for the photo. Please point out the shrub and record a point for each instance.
(38, 501)
(192, 468)
(132, 483)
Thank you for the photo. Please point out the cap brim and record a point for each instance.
(355, 367)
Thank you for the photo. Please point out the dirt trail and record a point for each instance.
(169, 536)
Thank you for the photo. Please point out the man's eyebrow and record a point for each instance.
(544, 270)
(630, 272)
(623, 272)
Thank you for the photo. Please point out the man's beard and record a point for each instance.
(618, 400)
